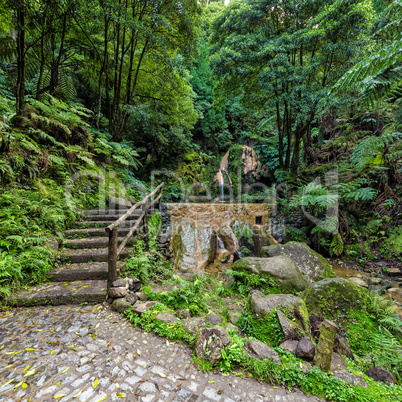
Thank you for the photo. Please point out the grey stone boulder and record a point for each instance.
(281, 269)
(194, 247)
(183, 314)
(193, 324)
(379, 374)
(359, 282)
(228, 238)
(119, 283)
(210, 344)
(337, 362)
(116, 293)
(288, 327)
(305, 349)
(120, 305)
(289, 346)
(214, 319)
(141, 308)
(263, 305)
(133, 284)
(352, 379)
(342, 347)
(312, 265)
(167, 318)
(260, 351)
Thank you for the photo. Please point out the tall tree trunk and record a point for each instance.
(20, 92)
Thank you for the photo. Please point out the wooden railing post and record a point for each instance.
(112, 257)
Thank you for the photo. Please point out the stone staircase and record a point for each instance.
(81, 275)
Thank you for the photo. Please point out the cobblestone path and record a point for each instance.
(89, 353)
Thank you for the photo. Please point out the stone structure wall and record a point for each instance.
(215, 215)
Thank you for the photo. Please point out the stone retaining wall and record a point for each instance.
(215, 215)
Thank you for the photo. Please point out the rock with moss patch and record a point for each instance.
(281, 269)
(263, 305)
(210, 344)
(260, 351)
(214, 319)
(359, 282)
(194, 247)
(342, 347)
(167, 318)
(333, 297)
(312, 265)
(288, 327)
(120, 305)
(193, 324)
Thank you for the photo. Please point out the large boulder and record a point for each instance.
(260, 351)
(312, 265)
(211, 342)
(281, 269)
(379, 374)
(229, 239)
(334, 297)
(194, 247)
(290, 305)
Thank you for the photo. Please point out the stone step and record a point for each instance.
(103, 224)
(57, 293)
(110, 217)
(90, 255)
(91, 232)
(105, 211)
(91, 242)
(83, 271)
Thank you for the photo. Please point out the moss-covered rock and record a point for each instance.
(312, 265)
(333, 297)
(292, 306)
(281, 269)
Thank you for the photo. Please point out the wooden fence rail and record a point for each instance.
(114, 251)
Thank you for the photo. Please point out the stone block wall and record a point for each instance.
(215, 215)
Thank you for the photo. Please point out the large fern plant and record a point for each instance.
(380, 73)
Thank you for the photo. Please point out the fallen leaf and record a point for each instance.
(211, 382)
(95, 384)
(59, 396)
(65, 370)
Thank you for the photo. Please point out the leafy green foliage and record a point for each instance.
(146, 321)
(147, 265)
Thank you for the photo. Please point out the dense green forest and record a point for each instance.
(132, 93)
(134, 86)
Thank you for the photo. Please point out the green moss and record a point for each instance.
(334, 297)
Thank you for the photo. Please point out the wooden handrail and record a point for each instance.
(133, 208)
(137, 223)
(113, 251)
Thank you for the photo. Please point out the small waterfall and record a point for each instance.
(222, 192)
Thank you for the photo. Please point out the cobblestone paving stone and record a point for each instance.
(89, 353)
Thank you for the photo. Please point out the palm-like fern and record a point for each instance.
(380, 74)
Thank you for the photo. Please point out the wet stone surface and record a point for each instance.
(90, 353)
